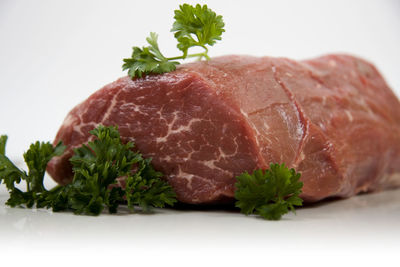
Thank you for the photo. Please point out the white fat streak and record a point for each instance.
(224, 155)
(180, 129)
(302, 156)
(349, 116)
(252, 125)
(166, 158)
(185, 175)
(78, 127)
(133, 107)
(189, 178)
(244, 113)
(110, 108)
(211, 164)
(323, 100)
(221, 155)
(70, 119)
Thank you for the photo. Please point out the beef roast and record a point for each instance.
(333, 118)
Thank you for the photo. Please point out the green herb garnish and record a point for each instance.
(3, 141)
(36, 158)
(193, 26)
(269, 193)
(96, 167)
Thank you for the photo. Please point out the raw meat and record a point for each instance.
(332, 118)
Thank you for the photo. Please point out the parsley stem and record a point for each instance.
(175, 58)
(199, 55)
(56, 188)
(26, 178)
(206, 52)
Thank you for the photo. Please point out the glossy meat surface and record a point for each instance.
(332, 118)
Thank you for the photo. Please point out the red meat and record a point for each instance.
(332, 118)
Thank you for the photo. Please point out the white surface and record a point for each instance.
(53, 54)
(361, 230)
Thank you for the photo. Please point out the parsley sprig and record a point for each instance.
(269, 193)
(36, 158)
(96, 167)
(194, 26)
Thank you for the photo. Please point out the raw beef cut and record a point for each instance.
(332, 118)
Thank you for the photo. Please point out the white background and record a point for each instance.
(54, 54)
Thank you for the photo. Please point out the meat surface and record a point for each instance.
(333, 118)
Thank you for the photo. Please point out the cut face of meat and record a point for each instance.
(332, 118)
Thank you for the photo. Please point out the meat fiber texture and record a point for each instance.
(333, 119)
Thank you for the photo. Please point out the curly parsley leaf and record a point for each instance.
(36, 158)
(194, 26)
(146, 189)
(96, 167)
(269, 193)
(9, 173)
(148, 59)
(100, 163)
